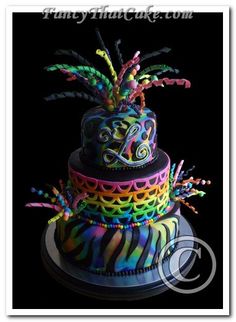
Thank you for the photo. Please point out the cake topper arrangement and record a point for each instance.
(125, 87)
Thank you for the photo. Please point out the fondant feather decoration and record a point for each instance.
(118, 90)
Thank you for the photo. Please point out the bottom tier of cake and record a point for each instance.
(116, 251)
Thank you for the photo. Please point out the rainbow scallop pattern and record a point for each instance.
(115, 251)
(123, 202)
(119, 140)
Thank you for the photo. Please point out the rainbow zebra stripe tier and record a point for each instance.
(122, 201)
(115, 251)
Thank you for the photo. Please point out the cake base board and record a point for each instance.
(127, 287)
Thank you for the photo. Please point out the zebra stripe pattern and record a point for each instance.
(103, 250)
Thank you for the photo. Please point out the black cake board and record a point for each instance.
(128, 287)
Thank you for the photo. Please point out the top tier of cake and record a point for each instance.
(125, 139)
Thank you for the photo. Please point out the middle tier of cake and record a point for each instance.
(122, 197)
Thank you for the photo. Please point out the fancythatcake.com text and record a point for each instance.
(105, 12)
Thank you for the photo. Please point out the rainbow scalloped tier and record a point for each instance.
(126, 139)
(123, 197)
(115, 251)
(127, 219)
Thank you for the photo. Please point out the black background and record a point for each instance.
(44, 135)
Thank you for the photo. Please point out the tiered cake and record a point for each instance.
(118, 209)
(126, 179)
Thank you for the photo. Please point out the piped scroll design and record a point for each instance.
(110, 156)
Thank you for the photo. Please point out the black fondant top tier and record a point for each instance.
(124, 139)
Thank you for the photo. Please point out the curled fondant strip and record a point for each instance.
(55, 218)
(159, 82)
(75, 55)
(43, 205)
(129, 64)
(104, 55)
(118, 52)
